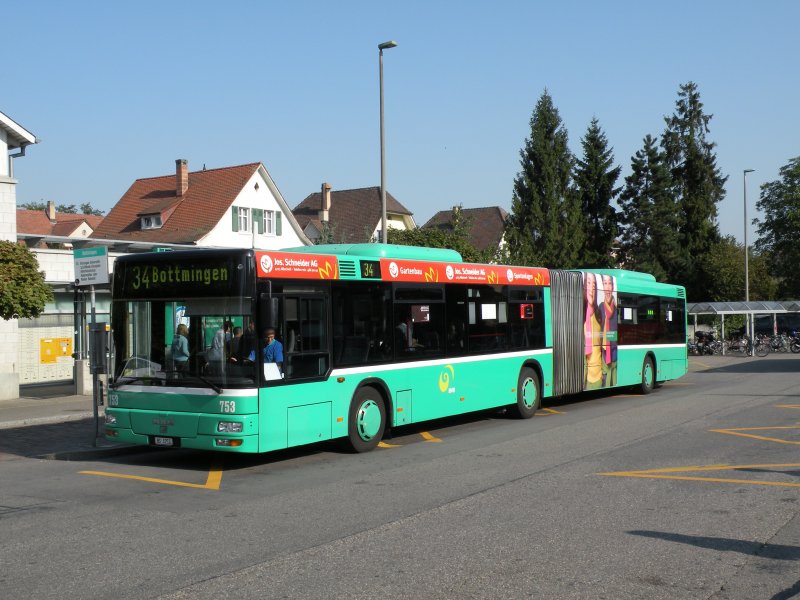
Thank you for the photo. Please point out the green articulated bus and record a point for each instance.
(369, 337)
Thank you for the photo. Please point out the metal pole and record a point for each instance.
(746, 258)
(76, 321)
(384, 232)
(750, 318)
(95, 378)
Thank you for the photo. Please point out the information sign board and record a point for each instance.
(91, 266)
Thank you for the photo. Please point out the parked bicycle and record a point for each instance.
(763, 345)
(741, 345)
(704, 344)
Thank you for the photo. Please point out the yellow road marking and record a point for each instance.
(388, 445)
(212, 482)
(551, 411)
(703, 364)
(788, 405)
(428, 437)
(738, 431)
(662, 474)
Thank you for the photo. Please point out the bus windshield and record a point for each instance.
(200, 342)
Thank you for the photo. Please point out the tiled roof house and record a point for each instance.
(486, 225)
(227, 207)
(48, 222)
(354, 216)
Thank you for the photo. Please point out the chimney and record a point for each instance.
(324, 214)
(181, 176)
(51, 211)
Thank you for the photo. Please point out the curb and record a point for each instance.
(45, 420)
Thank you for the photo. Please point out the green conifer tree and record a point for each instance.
(698, 185)
(595, 177)
(650, 240)
(544, 227)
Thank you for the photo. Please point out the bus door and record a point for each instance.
(303, 328)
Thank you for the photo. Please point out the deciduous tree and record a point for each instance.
(726, 261)
(23, 291)
(778, 230)
(455, 237)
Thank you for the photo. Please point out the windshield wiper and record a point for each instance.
(118, 382)
(162, 382)
(210, 384)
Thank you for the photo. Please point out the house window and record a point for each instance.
(244, 219)
(269, 222)
(151, 221)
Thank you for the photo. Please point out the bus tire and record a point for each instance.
(529, 394)
(366, 419)
(648, 376)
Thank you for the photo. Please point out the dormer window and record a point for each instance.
(151, 222)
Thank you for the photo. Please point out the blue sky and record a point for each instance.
(118, 91)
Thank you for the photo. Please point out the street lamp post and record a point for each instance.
(750, 326)
(746, 274)
(384, 232)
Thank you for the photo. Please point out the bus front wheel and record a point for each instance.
(529, 396)
(367, 420)
(648, 376)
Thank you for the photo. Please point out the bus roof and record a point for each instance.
(622, 274)
(644, 283)
(382, 251)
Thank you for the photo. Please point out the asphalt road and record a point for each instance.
(690, 492)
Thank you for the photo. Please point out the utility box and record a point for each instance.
(98, 347)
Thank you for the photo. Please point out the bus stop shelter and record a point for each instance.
(750, 309)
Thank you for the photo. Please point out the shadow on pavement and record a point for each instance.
(753, 365)
(771, 551)
(768, 551)
(47, 390)
(48, 439)
(66, 440)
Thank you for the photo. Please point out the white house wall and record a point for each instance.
(394, 222)
(223, 234)
(9, 349)
(5, 160)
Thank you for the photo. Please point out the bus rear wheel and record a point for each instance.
(648, 376)
(366, 420)
(529, 394)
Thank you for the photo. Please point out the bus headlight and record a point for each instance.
(111, 419)
(230, 427)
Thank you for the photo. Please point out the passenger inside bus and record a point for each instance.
(404, 340)
(272, 354)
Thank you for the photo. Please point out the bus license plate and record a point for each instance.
(163, 441)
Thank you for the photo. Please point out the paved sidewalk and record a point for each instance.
(52, 422)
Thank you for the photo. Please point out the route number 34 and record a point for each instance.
(227, 406)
